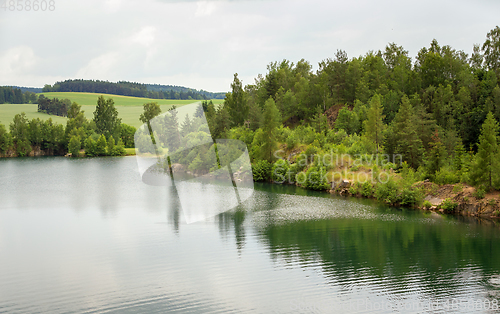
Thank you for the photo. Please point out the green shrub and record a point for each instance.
(74, 146)
(261, 170)
(449, 205)
(119, 149)
(316, 178)
(387, 192)
(410, 196)
(367, 189)
(446, 175)
(480, 192)
(101, 146)
(280, 171)
(458, 188)
(90, 147)
(427, 204)
(355, 188)
(23, 147)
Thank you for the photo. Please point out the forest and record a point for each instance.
(104, 135)
(14, 95)
(127, 89)
(438, 114)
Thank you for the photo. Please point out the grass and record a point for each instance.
(8, 111)
(129, 108)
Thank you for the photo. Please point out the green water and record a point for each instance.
(87, 236)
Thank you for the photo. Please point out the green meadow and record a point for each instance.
(129, 108)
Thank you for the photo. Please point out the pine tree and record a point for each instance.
(436, 157)
(374, 126)
(404, 131)
(486, 161)
(74, 145)
(270, 123)
(236, 103)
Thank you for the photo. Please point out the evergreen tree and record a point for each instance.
(236, 103)
(171, 129)
(100, 146)
(405, 136)
(374, 125)
(486, 162)
(111, 146)
(436, 157)
(90, 147)
(271, 120)
(74, 146)
(186, 126)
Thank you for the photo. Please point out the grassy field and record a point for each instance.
(129, 108)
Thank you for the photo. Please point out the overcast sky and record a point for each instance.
(201, 44)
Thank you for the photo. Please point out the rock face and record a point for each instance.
(342, 187)
(468, 204)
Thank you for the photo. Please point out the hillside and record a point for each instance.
(129, 108)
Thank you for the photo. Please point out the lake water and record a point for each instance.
(87, 236)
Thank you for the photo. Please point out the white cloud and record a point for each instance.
(204, 8)
(145, 37)
(17, 60)
(203, 43)
(99, 67)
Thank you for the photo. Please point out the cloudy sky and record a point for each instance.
(201, 44)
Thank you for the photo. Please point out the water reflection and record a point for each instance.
(402, 251)
(87, 235)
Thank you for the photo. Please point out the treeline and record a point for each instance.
(104, 135)
(53, 106)
(430, 110)
(126, 89)
(12, 95)
(181, 89)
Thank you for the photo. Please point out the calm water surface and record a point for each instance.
(87, 236)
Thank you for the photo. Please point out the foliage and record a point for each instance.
(262, 170)
(315, 178)
(127, 133)
(367, 189)
(280, 171)
(480, 192)
(446, 175)
(151, 110)
(74, 146)
(448, 205)
(53, 106)
(101, 146)
(128, 89)
(5, 140)
(486, 162)
(106, 118)
(427, 204)
(374, 125)
(458, 188)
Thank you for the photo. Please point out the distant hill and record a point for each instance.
(29, 89)
(124, 88)
(163, 88)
